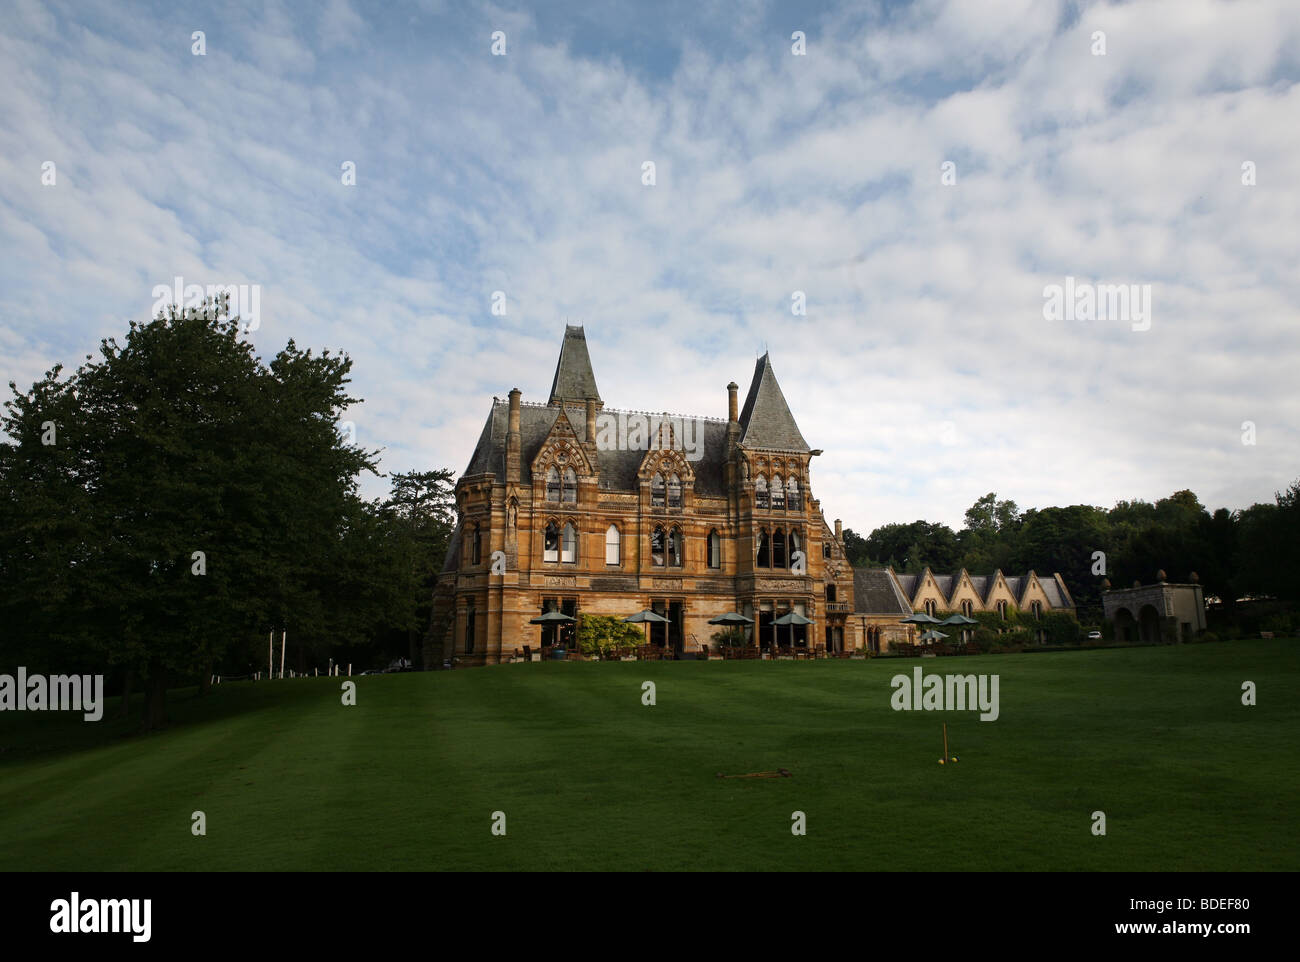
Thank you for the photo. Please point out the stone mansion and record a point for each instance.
(574, 507)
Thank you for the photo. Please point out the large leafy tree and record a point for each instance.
(190, 501)
(420, 516)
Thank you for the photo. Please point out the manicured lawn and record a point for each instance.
(589, 778)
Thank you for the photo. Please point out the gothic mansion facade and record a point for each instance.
(569, 506)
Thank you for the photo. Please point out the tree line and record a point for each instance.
(1253, 552)
(169, 503)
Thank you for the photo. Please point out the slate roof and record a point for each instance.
(452, 561)
(1053, 592)
(574, 379)
(869, 591)
(876, 593)
(617, 469)
(765, 420)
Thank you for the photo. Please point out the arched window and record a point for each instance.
(674, 548)
(826, 549)
(657, 491)
(778, 493)
(674, 492)
(778, 547)
(1002, 610)
(760, 492)
(657, 547)
(929, 608)
(476, 549)
(967, 608)
(793, 498)
(794, 547)
(830, 594)
(570, 493)
(612, 546)
(469, 629)
(551, 544)
(1037, 608)
(553, 484)
(715, 549)
(569, 544)
(764, 551)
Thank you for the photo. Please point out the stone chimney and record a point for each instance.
(513, 441)
(591, 420)
(839, 531)
(733, 412)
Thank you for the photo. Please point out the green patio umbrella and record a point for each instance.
(556, 618)
(645, 616)
(932, 635)
(553, 618)
(731, 618)
(791, 618)
(959, 621)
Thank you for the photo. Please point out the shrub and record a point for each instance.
(601, 634)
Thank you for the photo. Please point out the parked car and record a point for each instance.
(1094, 635)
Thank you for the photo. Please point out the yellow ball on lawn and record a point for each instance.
(941, 761)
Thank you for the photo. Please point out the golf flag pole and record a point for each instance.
(270, 654)
(945, 739)
(283, 635)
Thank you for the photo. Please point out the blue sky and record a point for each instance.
(924, 366)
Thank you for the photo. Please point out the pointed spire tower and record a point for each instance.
(574, 381)
(765, 420)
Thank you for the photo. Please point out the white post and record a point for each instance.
(349, 669)
(270, 653)
(283, 635)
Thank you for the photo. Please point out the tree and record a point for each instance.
(421, 516)
(1063, 540)
(211, 491)
(855, 549)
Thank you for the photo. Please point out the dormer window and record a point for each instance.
(657, 495)
(553, 484)
(569, 492)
